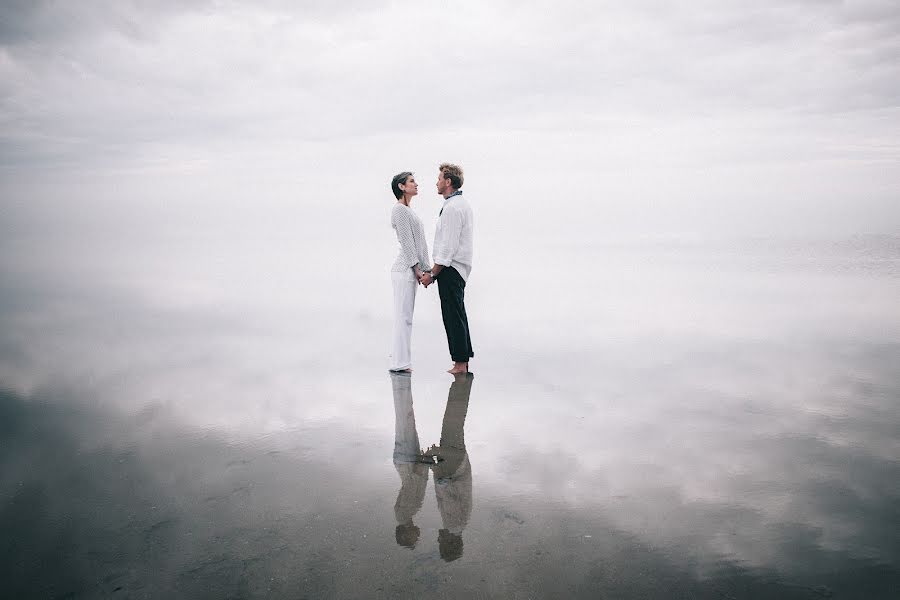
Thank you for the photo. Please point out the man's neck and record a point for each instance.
(451, 193)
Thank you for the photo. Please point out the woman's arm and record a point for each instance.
(404, 228)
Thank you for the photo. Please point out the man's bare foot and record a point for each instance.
(459, 367)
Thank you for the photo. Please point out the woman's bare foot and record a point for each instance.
(459, 367)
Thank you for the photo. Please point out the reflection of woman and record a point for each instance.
(407, 269)
(408, 462)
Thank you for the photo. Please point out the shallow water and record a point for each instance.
(692, 420)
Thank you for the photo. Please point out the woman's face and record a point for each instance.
(410, 188)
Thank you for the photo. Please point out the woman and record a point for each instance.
(411, 263)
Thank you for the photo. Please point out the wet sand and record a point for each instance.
(733, 435)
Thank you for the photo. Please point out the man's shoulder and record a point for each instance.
(459, 206)
(457, 203)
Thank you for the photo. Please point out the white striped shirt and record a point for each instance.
(411, 235)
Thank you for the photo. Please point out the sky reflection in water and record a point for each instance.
(663, 434)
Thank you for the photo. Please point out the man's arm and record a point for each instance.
(451, 224)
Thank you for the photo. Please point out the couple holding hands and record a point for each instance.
(452, 265)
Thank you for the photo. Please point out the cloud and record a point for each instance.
(37, 22)
(136, 72)
(803, 93)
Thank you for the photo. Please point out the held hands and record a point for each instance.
(426, 279)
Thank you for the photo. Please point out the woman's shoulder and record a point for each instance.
(401, 214)
(403, 211)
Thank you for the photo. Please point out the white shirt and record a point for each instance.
(411, 235)
(454, 235)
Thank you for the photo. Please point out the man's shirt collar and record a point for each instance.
(456, 193)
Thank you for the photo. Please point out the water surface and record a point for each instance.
(690, 420)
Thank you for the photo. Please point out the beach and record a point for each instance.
(700, 420)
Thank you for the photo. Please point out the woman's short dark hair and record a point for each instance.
(407, 535)
(397, 180)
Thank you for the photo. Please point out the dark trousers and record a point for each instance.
(452, 290)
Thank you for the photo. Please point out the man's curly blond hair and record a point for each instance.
(452, 172)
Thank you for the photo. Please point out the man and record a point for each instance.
(453, 263)
(452, 470)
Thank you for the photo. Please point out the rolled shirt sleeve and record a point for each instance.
(424, 259)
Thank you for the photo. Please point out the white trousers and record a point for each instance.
(405, 285)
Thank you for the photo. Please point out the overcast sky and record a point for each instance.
(784, 110)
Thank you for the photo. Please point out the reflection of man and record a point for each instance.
(453, 263)
(408, 461)
(452, 471)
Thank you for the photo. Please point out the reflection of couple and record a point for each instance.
(452, 265)
(449, 461)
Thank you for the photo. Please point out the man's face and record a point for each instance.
(442, 184)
